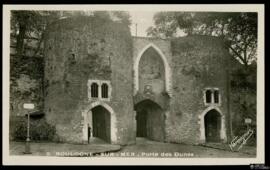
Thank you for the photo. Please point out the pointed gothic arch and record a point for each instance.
(166, 67)
(87, 114)
(150, 120)
(223, 136)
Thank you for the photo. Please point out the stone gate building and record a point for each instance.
(171, 90)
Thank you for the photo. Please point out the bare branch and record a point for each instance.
(237, 54)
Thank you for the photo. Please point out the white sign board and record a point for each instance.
(247, 120)
(28, 106)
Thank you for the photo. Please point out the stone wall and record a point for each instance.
(194, 63)
(81, 49)
(198, 62)
(86, 48)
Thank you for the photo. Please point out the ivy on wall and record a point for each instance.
(26, 77)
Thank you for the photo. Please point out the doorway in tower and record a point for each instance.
(212, 122)
(101, 123)
(149, 120)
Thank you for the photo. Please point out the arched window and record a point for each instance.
(216, 96)
(99, 90)
(104, 90)
(208, 96)
(94, 90)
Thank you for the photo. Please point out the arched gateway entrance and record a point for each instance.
(151, 81)
(212, 125)
(101, 123)
(212, 121)
(149, 120)
(100, 117)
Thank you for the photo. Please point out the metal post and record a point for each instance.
(136, 29)
(27, 144)
(248, 126)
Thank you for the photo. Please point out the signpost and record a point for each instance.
(28, 106)
(248, 122)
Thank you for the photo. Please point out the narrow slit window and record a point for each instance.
(104, 90)
(216, 96)
(208, 94)
(94, 90)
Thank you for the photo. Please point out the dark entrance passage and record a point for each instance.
(141, 123)
(212, 121)
(101, 123)
(150, 120)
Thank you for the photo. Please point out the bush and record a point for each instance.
(39, 130)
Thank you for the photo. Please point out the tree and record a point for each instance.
(243, 94)
(123, 17)
(27, 25)
(239, 30)
(32, 24)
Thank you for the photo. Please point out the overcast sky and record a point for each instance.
(144, 20)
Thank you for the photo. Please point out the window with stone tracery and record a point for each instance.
(208, 96)
(94, 90)
(99, 90)
(104, 90)
(216, 96)
(212, 96)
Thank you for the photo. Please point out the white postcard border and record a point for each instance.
(45, 160)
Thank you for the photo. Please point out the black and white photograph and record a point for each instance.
(133, 84)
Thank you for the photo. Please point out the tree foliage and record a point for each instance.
(40, 130)
(239, 30)
(27, 25)
(32, 24)
(123, 17)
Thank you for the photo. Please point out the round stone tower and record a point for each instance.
(88, 80)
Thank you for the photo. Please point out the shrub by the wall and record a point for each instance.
(40, 130)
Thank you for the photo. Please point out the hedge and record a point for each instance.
(40, 130)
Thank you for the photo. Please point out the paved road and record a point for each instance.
(62, 149)
(146, 148)
(143, 148)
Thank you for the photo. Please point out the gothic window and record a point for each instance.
(104, 90)
(94, 90)
(99, 90)
(208, 96)
(211, 96)
(216, 96)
